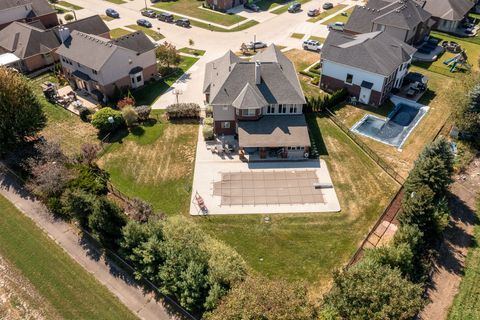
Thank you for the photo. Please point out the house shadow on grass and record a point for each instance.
(316, 139)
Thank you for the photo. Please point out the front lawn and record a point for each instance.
(339, 17)
(326, 13)
(155, 162)
(151, 91)
(319, 39)
(266, 5)
(192, 51)
(192, 8)
(310, 246)
(117, 1)
(472, 50)
(69, 5)
(118, 32)
(73, 292)
(297, 35)
(156, 36)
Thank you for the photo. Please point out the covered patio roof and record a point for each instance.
(274, 131)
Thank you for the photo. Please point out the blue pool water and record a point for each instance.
(396, 128)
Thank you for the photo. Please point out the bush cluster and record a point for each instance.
(208, 132)
(320, 103)
(183, 111)
(108, 120)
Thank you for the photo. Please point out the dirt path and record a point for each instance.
(450, 261)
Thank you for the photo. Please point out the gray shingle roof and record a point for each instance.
(226, 77)
(40, 7)
(454, 10)
(135, 41)
(376, 52)
(26, 40)
(404, 14)
(91, 25)
(249, 97)
(274, 131)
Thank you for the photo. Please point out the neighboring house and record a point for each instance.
(368, 65)
(99, 65)
(448, 14)
(27, 11)
(224, 5)
(405, 19)
(260, 101)
(35, 46)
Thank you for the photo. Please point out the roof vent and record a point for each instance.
(258, 72)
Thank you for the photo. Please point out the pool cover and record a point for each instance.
(393, 130)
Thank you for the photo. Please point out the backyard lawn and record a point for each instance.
(192, 8)
(156, 36)
(66, 286)
(155, 162)
(118, 32)
(326, 13)
(472, 50)
(437, 98)
(339, 17)
(150, 92)
(63, 126)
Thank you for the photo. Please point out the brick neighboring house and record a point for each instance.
(260, 101)
(224, 5)
(99, 65)
(27, 11)
(35, 46)
(368, 65)
(448, 14)
(406, 20)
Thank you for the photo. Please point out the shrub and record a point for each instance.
(78, 204)
(183, 111)
(143, 112)
(106, 222)
(83, 112)
(91, 179)
(100, 120)
(55, 206)
(208, 132)
(129, 115)
(320, 103)
(208, 121)
(139, 210)
(69, 17)
(315, 80)
(126, 101)
(209, 111)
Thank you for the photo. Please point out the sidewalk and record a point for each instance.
(67, 237)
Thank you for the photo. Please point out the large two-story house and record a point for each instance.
(261, 101)
(405, 20)
(367, 65)
(448, 14)
(99, 66)
(27, 11)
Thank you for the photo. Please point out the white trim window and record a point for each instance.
(225, 125)
(349, 78)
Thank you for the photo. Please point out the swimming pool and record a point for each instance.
(395, 129)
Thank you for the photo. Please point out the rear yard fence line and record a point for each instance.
(385, 166)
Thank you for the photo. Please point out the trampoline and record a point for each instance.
(395, 129)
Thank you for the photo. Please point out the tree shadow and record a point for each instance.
(427, 97)
(137, 131)
(315, 133)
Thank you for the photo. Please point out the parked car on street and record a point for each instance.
(336, 26)
(327, 5)
(256, 45)
(313, 12)
(165, 17)
(149, 13)
(184, 22)
(251, 6)
(112, 13)
(295, 7)
(144, 23)
(313, 45)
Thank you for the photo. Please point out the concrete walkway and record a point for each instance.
(67, 237)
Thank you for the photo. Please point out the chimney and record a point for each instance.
(258, 73)
(64, 33)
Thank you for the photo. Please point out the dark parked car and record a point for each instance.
(295, 7)
(144, 23)
(184, 22)
(149, 13)
(251, 6)
(327, 5)
(112, 13)
(165, 17)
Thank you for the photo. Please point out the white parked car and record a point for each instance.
(256, 45)
(336, 26)
(313, 45)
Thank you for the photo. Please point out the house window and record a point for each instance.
(271, 109)
(293, 108)
(282, 108)
(133, 80)
(225, 125)
(225, 108)
(139, 78)
(349, 78)
(251, 112)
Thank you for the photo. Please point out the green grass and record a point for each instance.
(297, 35)
(319, 39)
(467, 301)
(150, 92)
(327, 13)
(266, 5)
(117, 1)
(339, 18)
(156, 36)
(118, 32)
(191, 8)
(284, 8)
(72, 291)
(106, 18)
(69, 5)
(192, 51)
(469, 44)
(310, 246)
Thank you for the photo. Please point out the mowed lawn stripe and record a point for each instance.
(73, 292)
